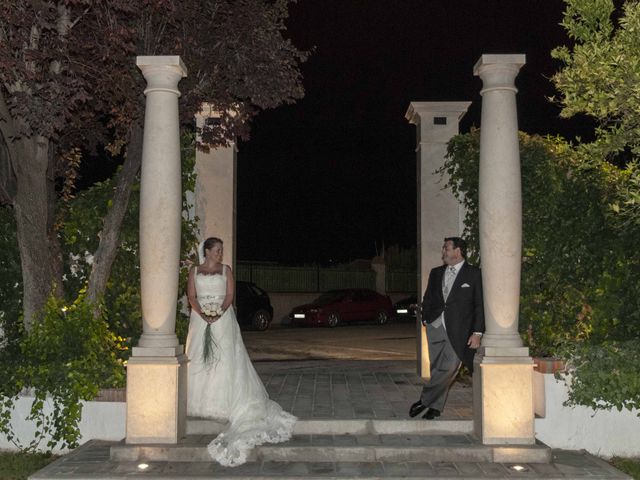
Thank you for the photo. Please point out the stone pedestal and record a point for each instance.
(503, 409)
(156, 399)
(215, 195)
(440, 214)
(503, 377)
(156, 371)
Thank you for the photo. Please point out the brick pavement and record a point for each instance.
(354, 389)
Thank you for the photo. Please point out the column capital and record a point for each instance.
(417, 111)
(498, 72)
(162, 72)
(436, 122)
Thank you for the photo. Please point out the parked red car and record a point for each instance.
(343, 306)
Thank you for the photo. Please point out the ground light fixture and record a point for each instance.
(519, 468)
(143, 466)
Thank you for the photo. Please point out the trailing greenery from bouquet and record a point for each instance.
(580, 294)
(65, 358)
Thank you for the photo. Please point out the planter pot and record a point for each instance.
(548, 364)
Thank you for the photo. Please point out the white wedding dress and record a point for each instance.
(228, 387)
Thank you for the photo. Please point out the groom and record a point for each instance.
(453, 313)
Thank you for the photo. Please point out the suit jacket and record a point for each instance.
(463, 310)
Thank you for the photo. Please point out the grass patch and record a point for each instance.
(630, 466)
(18, 466)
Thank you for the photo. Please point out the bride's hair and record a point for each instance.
(209, 243)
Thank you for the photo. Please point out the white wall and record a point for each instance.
(100, 420)
(600, 432)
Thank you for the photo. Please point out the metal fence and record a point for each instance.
(276, 278)
(401, 281)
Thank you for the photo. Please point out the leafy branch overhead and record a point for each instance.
(600, 78)
(69, 87)
(68, 81)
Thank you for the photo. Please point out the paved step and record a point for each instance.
(347, 448)
(93, 460)
(197, 426)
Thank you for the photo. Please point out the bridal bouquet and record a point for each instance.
(210, 310)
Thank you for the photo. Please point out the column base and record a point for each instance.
(158, 340)
(156, 399)
(503, 397)
(422, 348)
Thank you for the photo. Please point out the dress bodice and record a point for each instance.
(211, 285)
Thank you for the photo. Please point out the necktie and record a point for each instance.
(449, 275)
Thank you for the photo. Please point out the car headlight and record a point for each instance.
(298, 315)
(402, 310)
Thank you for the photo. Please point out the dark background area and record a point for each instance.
(334, 175)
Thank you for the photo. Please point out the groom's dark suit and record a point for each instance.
(463, 316)
(463, 309)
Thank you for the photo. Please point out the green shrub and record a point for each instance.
(580, 290)
(65, 358)
(604, 376)
(76, 348)
(81, 228)
(630, 466)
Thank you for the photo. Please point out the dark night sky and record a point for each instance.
(327, 177)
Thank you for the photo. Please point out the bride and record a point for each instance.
(222, 383)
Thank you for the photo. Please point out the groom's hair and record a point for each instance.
(209, 243)
(458, 242)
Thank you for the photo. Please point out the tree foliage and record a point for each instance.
(580, 295)
(600, 77)
(81, 230)
(69, 84)
(68, 81)
(58, 359)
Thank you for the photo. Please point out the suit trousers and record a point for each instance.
(444, 368)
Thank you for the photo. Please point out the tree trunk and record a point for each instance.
(33, 208)
(108, 247)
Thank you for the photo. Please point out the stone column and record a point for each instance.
(378, 265)
(216, 186)
(156, 371)
(503, 379)
(440, 214)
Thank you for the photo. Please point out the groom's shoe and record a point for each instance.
(431, 414)
(416, 409)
